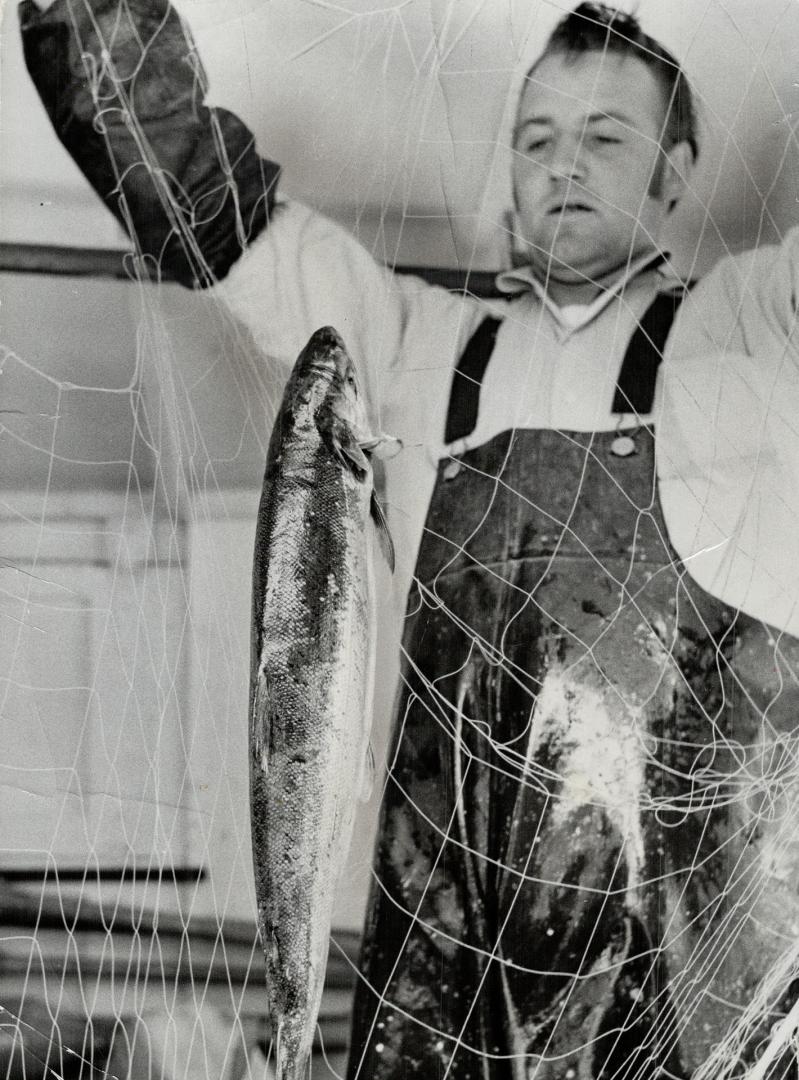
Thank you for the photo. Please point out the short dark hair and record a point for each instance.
(596, 27)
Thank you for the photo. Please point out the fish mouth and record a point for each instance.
(326, 337)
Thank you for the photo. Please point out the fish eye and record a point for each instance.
(351, 381)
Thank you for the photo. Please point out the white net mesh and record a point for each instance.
(134, 421)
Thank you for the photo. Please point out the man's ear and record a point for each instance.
(678, 169)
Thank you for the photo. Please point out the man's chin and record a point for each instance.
(574, 259)
(571, 264)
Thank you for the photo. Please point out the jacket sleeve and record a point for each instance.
(124, 89)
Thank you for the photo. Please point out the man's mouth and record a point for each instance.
(571, 207)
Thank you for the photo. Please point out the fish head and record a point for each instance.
(325, 378)
(324, 401)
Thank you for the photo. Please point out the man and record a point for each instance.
(562, 860)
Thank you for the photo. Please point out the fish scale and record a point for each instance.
(313, 635)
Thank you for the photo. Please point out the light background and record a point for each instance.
(390, 117)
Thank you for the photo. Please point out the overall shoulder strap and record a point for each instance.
(464, 399)
(635, 390)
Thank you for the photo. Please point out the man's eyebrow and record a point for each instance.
(531, 121)
(611, 114)
(541, 120)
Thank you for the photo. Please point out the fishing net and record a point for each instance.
(134, 421)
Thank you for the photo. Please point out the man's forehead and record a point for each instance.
(591, 86)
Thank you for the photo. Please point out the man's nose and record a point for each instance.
(568, 158)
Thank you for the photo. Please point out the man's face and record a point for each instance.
(591, 183)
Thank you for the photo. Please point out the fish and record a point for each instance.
(314, 614)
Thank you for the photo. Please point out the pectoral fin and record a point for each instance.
(383, 533)
(340, 438)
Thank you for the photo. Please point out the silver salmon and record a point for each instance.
(312, 672)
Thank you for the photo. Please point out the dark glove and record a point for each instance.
(124, 89)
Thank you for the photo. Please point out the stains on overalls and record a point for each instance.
(567, 879)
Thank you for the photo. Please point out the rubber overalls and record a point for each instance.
(561, 862)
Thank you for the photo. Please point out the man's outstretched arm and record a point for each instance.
(124, 89)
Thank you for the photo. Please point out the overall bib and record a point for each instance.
(562, 870)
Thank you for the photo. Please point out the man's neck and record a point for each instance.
(589, 295)
(564, 293)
